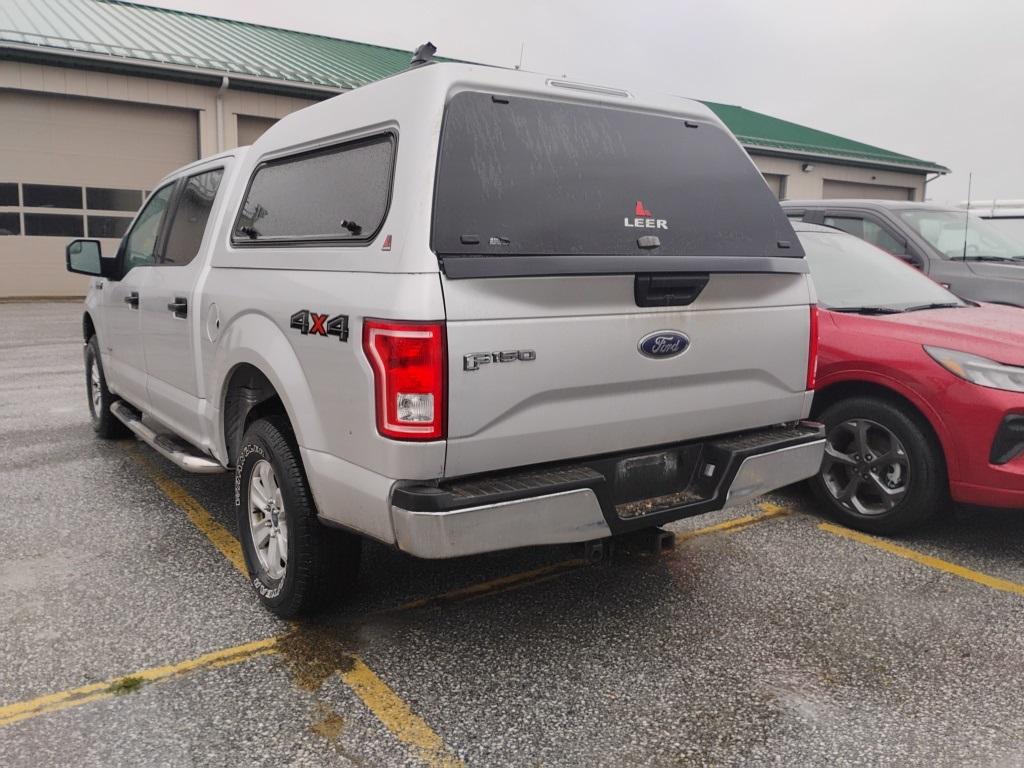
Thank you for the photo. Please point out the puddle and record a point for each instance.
(314, 653)
(330, 723)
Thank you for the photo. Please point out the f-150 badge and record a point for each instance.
(472, 362)
(314, 324)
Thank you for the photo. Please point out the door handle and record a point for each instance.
(667, 289)
(179, 306)
(132, 299)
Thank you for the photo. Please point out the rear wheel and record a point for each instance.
(106, 424)
(296, 564)
(883, 471)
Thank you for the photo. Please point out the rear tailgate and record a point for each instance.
(574, 382)
(551, 219)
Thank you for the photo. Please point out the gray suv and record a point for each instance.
(985, 265)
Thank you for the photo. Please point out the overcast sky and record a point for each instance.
(935, 79)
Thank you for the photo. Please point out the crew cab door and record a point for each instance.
(123, 300)
(169, 313)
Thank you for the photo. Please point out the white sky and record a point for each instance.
(935, 79)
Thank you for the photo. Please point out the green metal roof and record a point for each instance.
(120, 35)
(757, 131)
(158, 36)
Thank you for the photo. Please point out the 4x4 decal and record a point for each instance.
(314, 324)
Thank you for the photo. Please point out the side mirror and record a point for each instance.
(85, 257)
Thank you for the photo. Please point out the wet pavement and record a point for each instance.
(775, 642)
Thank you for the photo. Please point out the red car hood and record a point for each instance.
(989, 330)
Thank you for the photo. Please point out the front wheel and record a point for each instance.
(883, 472)
(104, 423)
(296, 564)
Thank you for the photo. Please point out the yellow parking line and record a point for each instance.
(378, 697)
(375, 694)
(55, 702)
(197, 514)
(501, 584)
(544, 573)
(993, 582)
(769, 511)
(396, 715)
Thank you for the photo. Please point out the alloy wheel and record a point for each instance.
(95, 389)
(866, 468)
(268, 525)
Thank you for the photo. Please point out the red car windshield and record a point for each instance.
(849, 273)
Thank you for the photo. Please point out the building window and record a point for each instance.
(777, 184)
(10, 224)
(8, 194)
(108, 226)
(53, 224)
(51, 196)
(103, 199)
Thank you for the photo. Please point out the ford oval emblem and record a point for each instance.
(663, 344)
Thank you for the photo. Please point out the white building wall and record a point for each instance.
(809, 185)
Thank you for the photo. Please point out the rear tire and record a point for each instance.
(296, 564)
(105, 424)
(883, 470)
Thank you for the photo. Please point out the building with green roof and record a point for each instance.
(101, 98)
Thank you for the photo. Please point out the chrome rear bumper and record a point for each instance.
(775, 469)
(559, 518)
(543, 507)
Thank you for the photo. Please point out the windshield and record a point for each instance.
(944, 230)
(851, 274)
(521, 176)
(1011, 228)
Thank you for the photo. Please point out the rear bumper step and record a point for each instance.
(170, 447)
(602, 496)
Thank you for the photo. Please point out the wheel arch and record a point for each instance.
(261, 373)
(88, 327)
(891, 392)
(248, 395)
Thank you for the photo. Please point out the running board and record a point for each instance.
(172, 448)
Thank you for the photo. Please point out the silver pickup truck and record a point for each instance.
(460, 310)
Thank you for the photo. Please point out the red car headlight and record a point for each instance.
(979, 370)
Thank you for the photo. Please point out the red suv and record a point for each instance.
(921, 393)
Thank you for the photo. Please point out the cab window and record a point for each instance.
(140, 245)
(867, 230)
(190, 216)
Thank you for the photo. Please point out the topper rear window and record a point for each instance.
(529, 177)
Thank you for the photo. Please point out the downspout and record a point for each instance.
(924, 192)
(224, 82)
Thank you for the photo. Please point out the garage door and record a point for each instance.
(838, 190)
(73, 167)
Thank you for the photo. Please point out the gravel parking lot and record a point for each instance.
(766, 636)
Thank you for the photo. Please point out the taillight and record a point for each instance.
(812, 349)
(408, 361)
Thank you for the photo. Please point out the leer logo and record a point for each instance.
(644, 219)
